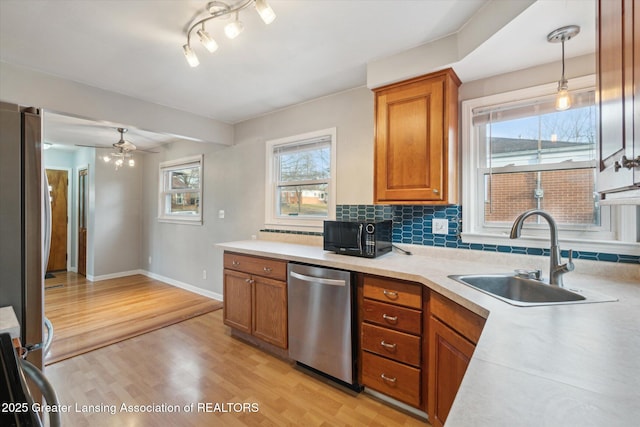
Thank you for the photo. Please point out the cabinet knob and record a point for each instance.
(267, 269)
(435, 190)
(624, 162)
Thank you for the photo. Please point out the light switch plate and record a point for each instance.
(440, 226)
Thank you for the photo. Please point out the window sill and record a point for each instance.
(602, 246)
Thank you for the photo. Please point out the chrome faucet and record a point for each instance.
(556, 269)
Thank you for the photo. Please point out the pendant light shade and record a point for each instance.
(563, 97)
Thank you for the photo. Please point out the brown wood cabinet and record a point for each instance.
(618, 80)
(391, 337)
(453, 334)
(416, 126)
(255, 297)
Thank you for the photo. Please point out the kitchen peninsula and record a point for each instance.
(545, 365)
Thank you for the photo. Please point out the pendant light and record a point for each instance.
(563, 98)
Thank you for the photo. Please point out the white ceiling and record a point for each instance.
(313, 48)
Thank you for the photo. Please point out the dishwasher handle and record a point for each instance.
(319, 280)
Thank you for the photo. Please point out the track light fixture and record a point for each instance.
(563, 98)
(223, 10)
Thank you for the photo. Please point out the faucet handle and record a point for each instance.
(528, 274)
(569, 266)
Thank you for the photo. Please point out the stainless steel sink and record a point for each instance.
(526, 292)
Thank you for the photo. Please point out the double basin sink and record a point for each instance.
(525, 292)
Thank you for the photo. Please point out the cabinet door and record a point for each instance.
(237, 300)
(409, 151)
(270, 311)
(617, 92)
(448, 360)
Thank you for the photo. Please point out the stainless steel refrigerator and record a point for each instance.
(22, 222)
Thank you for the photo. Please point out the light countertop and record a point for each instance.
(561, 365)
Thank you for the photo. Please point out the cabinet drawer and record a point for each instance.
(396, 345)
(392, 316)
(266, 267)
(393, 291)
(394, 379)
(465, 322)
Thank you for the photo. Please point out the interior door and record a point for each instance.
(58, 193)
(82, 221)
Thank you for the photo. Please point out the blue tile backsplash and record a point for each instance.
(412, 225)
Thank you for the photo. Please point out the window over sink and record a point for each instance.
(519, 153)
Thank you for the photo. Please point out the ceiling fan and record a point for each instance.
(123, 150)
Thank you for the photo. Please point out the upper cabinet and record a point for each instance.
(618, 64)
(416, 141)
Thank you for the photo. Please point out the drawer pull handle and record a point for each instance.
(388, 379)
(392, 319)
(387, 345)
(235, 263)
(267, 269)
(390, 294)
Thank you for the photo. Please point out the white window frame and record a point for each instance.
(171, 165)
(617, 240)
(272, 220)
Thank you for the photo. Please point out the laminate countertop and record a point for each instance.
(557, 365)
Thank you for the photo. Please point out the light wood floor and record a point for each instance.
(88, 315)
(197, 362)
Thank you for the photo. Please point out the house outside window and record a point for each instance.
(519, 153)
(180, 191)
(300, 181)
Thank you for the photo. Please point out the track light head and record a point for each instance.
(192, 59)
(223, 10)
(207, 41)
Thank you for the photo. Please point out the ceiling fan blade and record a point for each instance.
(91, 146)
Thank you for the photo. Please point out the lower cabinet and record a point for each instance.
(453, 334)
(255, 297)
(391, 337)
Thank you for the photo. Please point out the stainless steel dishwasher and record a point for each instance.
(321, 321)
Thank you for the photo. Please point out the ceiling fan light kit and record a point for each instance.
(122, 152)
(223, 10)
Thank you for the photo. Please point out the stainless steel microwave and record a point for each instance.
(363, 239)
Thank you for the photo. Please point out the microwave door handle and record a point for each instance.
(360, 229)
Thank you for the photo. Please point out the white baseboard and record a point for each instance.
(167, 280)
(183, 285)
(114, 275)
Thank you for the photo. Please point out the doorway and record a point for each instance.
(83, 185)
(59, 197)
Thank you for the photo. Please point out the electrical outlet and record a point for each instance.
(221, 214)
(204, 274)
(149, 260)
(440, 226)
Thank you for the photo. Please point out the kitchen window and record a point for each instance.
(519, 153)
(300, 181)
(180, 195)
